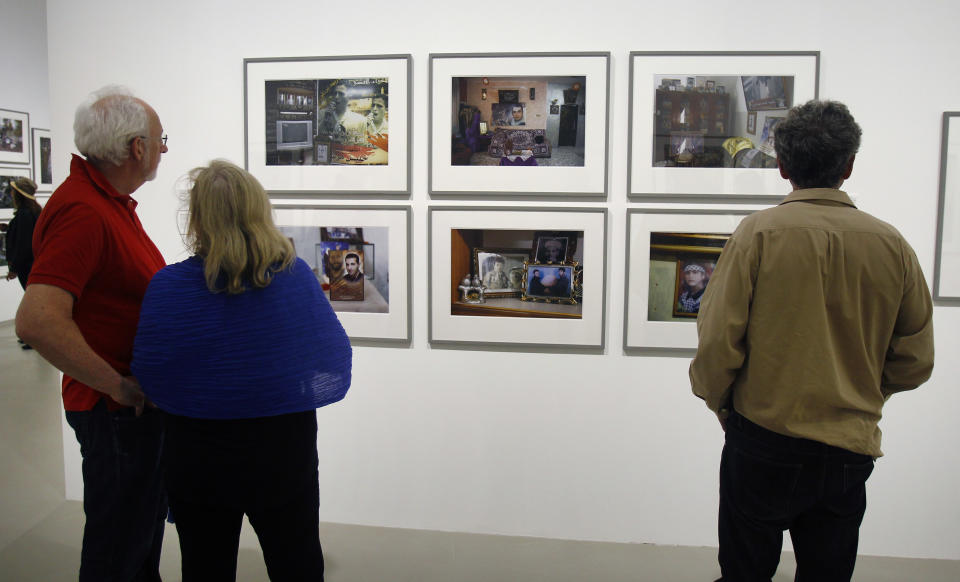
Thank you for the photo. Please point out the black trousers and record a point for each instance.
(266, 468)
(770, 483)
(123, 497)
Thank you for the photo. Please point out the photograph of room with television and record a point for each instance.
(327, 122)
(715, 121)
(518, 121)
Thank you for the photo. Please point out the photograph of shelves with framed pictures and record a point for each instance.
(946, 273)
(361, 257)
(518, 276)
(702, 124)
(329, 124)
(671, 256)
(519, 123)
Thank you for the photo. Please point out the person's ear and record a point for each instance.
(783, 171)
(849, 170)
(137, 148)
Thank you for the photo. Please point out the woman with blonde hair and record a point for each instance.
(19, 233)
(239, 346)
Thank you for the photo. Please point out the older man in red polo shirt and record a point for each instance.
(93, 262)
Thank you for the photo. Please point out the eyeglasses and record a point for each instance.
(162, 138)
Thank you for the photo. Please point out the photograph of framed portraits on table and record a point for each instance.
(14, 137)
(487, 285)
(946, 271)
(9, 174)
(42, 162)
(504, 124)
(702, 123)
(361, 257)
(671, 256)
(329, 124)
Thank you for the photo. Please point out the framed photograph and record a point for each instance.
(528, 149)
(9, 174)
(946, 271)
(350, 234)
(501, 270)
(315, 125)
(346, 275)
(766, 138)
(554, 246)
(535, 317)
(689, 141)
(42, 162)
(551, 283)
(370, 291)
(14, 137)
(671, 255)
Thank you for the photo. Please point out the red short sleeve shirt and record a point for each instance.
(89, 242)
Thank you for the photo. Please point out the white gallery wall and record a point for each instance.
(23, 87)
(592, 446)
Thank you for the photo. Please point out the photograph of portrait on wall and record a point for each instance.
(42, 162)
(692, 279)
(526, 132)
(550, 283)
(341, 121)
(14, 137)
(501, 270)
(752, 123)
(346, 275)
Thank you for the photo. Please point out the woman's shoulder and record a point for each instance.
(179, 275)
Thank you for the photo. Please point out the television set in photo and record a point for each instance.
(294, 134)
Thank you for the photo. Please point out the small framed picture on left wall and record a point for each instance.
(14, 137)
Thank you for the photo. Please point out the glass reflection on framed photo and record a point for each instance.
(694, 140)
(501, 270)
(671, 258)
(317, 124)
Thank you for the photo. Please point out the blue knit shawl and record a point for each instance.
(263, 352)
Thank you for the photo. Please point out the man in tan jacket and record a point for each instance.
(815, 315)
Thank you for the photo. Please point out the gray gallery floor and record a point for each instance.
(40, 532)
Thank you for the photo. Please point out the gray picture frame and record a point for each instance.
(590, 181)
(585, 334)
(324, 178)
(646, 183)
(10, 153)
(371, 329)
(946, 286)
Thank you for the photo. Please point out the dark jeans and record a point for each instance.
(123, 496)
(266, 468)
(769, 483)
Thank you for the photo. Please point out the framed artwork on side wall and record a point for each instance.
(9, 174)
(42, 160)
(14, 137)
(946, 273)
(325, 125)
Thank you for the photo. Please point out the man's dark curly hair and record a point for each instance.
(815, 142)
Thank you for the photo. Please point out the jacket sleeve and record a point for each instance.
(909, 360)
(722, 325)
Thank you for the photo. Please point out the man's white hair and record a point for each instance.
(107, 121)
